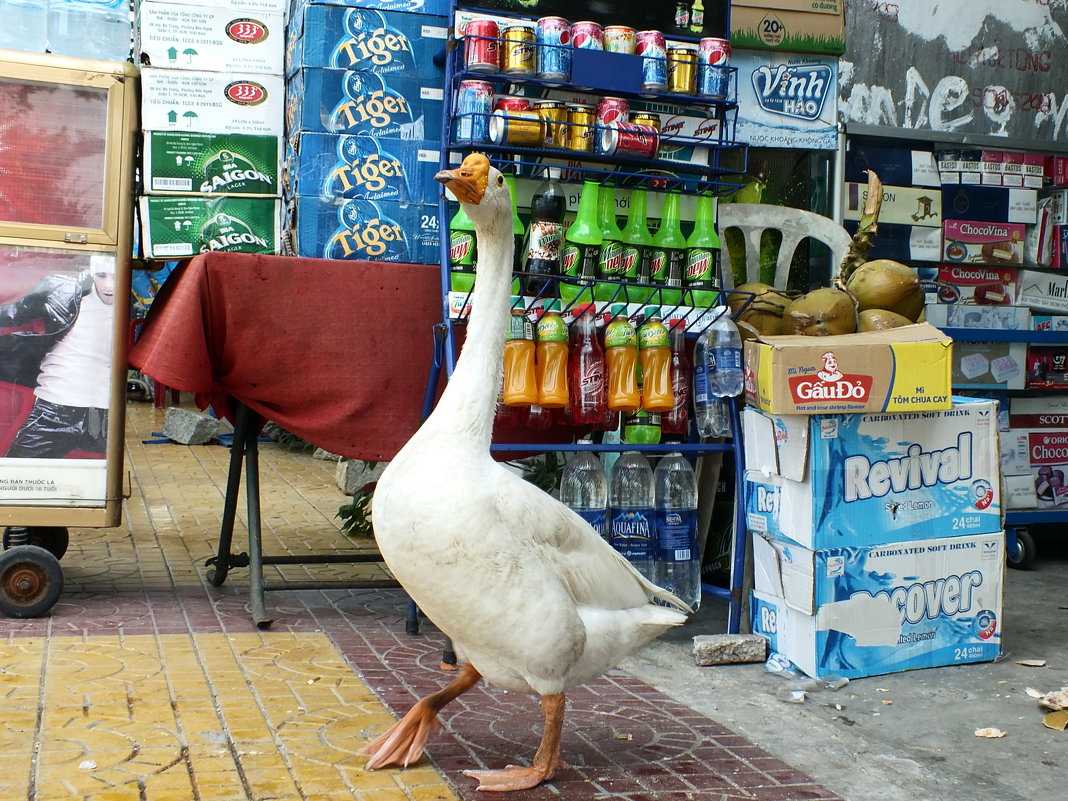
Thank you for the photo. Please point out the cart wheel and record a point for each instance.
(1021, 553)
(216, 576)
(30, 581)
(53, 539)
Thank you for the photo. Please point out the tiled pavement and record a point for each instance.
(148, 684)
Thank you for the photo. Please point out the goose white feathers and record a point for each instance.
(533, 599)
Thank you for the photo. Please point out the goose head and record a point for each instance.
(483, 192)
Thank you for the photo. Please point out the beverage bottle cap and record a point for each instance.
(618, 309)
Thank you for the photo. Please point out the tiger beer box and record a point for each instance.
(341, 166)
(364, 230)
(212, 102)
(903, 369)
(869, 610)
(213, 38)
(178, 227)
(398, 105)
(831, 480)
(364, 39)
(799, 26)
(440, 7)
(215, 164)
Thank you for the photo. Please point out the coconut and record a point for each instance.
(880, 319)
(822, 312)
(764, 316)
(889, 285)
(751, 293)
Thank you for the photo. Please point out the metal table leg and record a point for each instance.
(220, 564)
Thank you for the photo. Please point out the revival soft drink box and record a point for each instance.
(216, 164)
(397, 105)
(213, 38)
(365, 230)
(364, 39)
(866, 479)
(212, 102)
(343, 166)
(869, 610)
(178, 227)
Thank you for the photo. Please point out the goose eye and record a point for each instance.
(500, 180)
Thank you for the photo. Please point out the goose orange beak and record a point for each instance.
(468, 181)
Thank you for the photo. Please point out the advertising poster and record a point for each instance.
(57, 318)
(786, 100)
(682, 17)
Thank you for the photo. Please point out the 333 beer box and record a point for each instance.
(213, 38)
(365, 230)
(906, 369)
(863, 611)
(800, 26)
(364, 39)
(178, 227)
(398, 105)
(212, 102)
(871, 478)
(901, 205)
(277, 6)
(343, 166)
(177, 162)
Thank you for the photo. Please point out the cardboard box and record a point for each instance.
(1057, 170)
(989, 365)
(971, 166)
(1048, 454)
(1043, 291)
(277, 6)
(958, 315)
(397, 105)
(977, 242)
(1013, 450)
(904, 242)
(1034, 170)
(948, 160)
(1020, 493)
(364, 39)
(897, 166)
(179, 227)
(441, 7)
(1058, 205)
(901, 205)
(341, 166)
(217, 164)
(833, 480)
(1012, 169)
(870, 610)
(364, 230)
(1045, 411)
(1049, 322)
(212, 102)
(969, 285)
(799, 26)
(990, 204)
(991, 167)
(1059, 248)
(904, 369)
(214, 38)
(1047, 367)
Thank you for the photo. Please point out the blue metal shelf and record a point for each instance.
(1003, 335)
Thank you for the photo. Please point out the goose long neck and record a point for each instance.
(469, 402)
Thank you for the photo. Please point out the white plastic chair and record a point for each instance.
(752, 219)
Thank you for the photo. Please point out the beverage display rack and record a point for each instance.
(617, 75)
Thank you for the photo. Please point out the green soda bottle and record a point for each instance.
(702, 255)
(582, 249)
(669, 252)
(610, 263)
(637, 244)
(461, 252)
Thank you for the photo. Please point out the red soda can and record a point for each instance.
(652, 47)
(619, 39)
(482, 48)
(587, 36)
(713, 59)
(715, 52)
(629, 139)
(552, 38)
(610, 109)
(512, 103)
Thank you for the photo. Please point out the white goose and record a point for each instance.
(532, 598)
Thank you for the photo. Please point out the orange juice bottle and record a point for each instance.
(520, 382)
(552, 338)
(654, 350)
(621, 356)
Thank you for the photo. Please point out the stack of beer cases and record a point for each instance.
(211, 110)
(873, 502)
(364, 100)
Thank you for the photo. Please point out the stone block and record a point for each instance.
(729, 649)
(352, 474)
(188, 427)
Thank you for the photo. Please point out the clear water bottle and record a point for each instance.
(584, 488)
(723, 352)
(99, 29)
(25, 25)
(631, 529)
(677, 567)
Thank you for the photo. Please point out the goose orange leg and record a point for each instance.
(546, 760)
(402, 744)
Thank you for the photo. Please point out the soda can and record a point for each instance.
(554, 113)
(652, 47)
(517, 50)
(474, 101)
(645, 118)
(518, 128)
(682, 70)
(510, 103)
(713, 59)
(482, 48)
(716, 52)
(610, 109)
(619, 39)
(629, 139)
(580, 127)
(553, 49)
(587, 36)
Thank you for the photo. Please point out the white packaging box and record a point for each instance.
(213, 38)
(989, 365)
(1013, 448)
(1020, 492)
(1049, 410)
(864, 479)
(1046, 292)
(864, 611)
(212, 102)
(957, 315)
